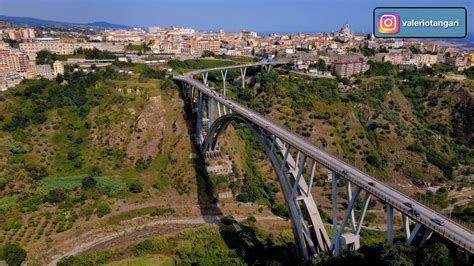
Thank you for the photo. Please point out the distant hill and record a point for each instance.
(34, 22)
(103, 24)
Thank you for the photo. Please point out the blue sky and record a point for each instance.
(259, 15)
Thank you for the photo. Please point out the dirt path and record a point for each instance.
(107, 240)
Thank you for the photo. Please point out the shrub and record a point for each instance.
(135, 187)
(86, 211)
(103, 209)
(36, 172)
(95, 258)
(154, 245)
(142, 164)
(56, 195)
(280, 210)
(88, 182)
(228, 220)
(13, 254)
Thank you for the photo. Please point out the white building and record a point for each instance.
(58, 67)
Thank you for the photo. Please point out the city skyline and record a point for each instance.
(262, 16)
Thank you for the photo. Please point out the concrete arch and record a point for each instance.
(310, 239)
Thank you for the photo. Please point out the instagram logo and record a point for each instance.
(389, 22)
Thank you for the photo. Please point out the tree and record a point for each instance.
(36, 172)
(103, 209)
(469, 72)
(208, 54)
(135, 187)
(436, 254)
(382, 69)
(56, 195)
(142, 164)
(46, 57)
(13, 254)
(95, 171)
(88, 182)
(321, 65)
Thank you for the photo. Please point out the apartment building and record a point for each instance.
(347, 68)
(428, 59)
(13, 60)
(32, 48)
(27, 34)
(58, 67)
(396, 59)
(457, 61)
(199, 46)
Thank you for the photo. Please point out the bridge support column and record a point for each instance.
(335, 240)
(406, 226)
(192, 92)
(199, 119)
(224, 75)
(219, 112)
(210, 112)
(267, 67)
(242, 74)
(389, 223)
(204, 77)
(314, 235)
(414, 233)
(426, 236)
(349, 197)
(365, 205)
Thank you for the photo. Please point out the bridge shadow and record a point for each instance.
(205, 193)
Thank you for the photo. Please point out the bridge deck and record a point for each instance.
(456, 233)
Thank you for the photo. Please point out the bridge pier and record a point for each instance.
(389, 224)
(406, 226)
(224, 75)
(204, 77)
(242, 74)
(267, 67)
(335, 240)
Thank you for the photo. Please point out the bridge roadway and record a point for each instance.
(454, 232)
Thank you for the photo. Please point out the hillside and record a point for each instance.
(35, 22)
(89, 151)
(403, 127)
(125, 132)
(100, 156)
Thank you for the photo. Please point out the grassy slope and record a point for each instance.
(147, 260)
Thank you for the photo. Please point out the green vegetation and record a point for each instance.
(397, 254)
(469, 72)
(95, 258)
(243, 243)
(94, 53)
(69, 148)
(13, 254)
(439, 198)
(107, 185)
(465, 212)
(382, 69)
(156, 245)
(46, 57)
(146, 260)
